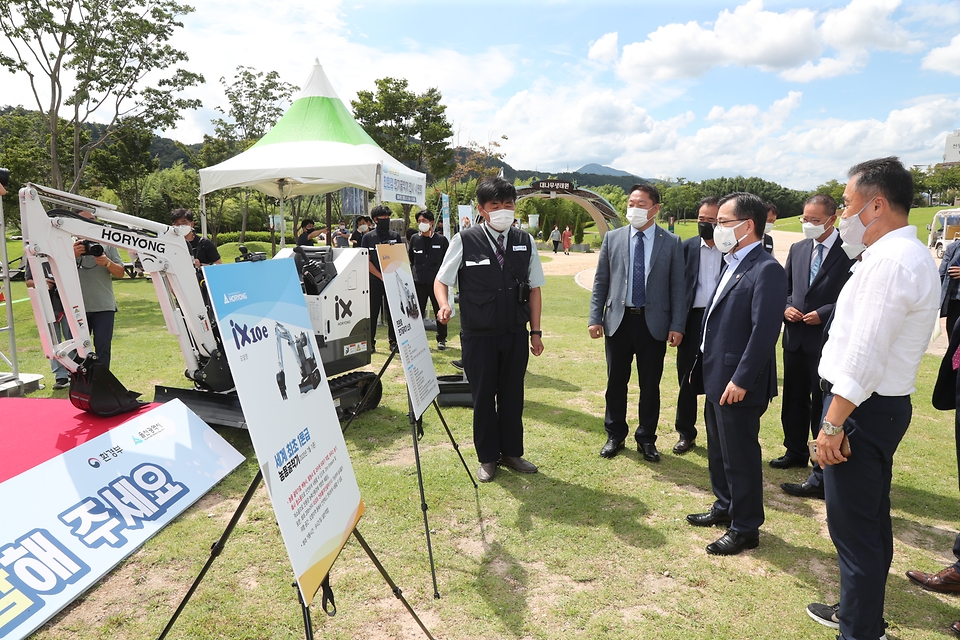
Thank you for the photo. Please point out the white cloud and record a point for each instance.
(605, 49)
(946, 59)
(933, 13)
(866, 24)
(846, 63)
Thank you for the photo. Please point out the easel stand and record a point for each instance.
(219, 545)
(416, 431)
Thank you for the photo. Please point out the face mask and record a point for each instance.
(705, 229)
(852, 230)
(383, 225)
(363, 228)
(637, 217)
(812, 230)
(726, 237)
(767, 228)
(853, 250)
(424, 227)
(501, 218)
(185, 229)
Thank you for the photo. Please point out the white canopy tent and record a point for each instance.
(316, 148)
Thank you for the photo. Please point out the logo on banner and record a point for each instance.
(93, 462)
(243, 335)
(234, 297)
(343, 308)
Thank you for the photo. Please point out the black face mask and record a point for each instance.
(705, 229)
(383, 225)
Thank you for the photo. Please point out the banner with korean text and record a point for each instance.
(408, 326)
(68, 521)
(286, 400)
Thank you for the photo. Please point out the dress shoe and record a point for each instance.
(610, 449)
(683, 445)
(803, 490)
(731, 543)
(955, 627)
(649, 451)
(947, 581)
(487, 471)
(518, 464)
(787, 461)
(708, 519)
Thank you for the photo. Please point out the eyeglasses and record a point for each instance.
(722, 223)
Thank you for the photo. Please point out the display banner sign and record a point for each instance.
(273, 355)
(465, 213)
(68, 521)
(408, 326)
(400, 184)
(445, 214)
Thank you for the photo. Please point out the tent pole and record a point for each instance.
(283, 222)
(203, 215)
(329, 222)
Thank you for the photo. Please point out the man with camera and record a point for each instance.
(98, 266)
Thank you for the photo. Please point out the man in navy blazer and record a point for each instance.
(817, 269)
(638, 304)
(702, 262)
(740, 333)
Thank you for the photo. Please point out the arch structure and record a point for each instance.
(602, 212)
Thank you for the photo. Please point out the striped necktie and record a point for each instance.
(817, 260)
(500, 253)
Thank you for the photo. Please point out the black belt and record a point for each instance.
(825, 385)
(637, 311)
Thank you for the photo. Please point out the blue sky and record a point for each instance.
(794, 92)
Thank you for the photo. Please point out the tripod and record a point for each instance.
(219, 545)
(416, 431)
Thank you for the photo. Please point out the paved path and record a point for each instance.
(583, 267)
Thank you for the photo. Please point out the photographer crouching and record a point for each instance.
(98, 266)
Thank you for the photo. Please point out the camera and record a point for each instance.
(5, 177)
(92, 248)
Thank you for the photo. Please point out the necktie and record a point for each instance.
(500, 253)
(815, 267)
(639, 284)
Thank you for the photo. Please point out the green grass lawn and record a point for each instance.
(588, 548)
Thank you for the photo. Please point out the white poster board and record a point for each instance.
(272, 352)
(445, 215)
(71, 519)
(408, 326)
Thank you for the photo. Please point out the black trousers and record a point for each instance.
(858, 510)
(100, 324)
(687, 353)
(802, 399)
(424, 293)
(953, 313)
(495, 367)
(556, 245)
(632, 338)
(377, 302)
(736, 468)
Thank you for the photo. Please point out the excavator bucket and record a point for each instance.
(95, 389)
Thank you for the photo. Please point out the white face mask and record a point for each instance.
(852, 230)
(363, 228)
(501, 218)
(725, 238)
(185, 229)
(637, 217)
(767, 228)
(853, 250)
(811, 230)
(424, 227)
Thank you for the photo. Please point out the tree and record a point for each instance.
(832, 188)
(123, 162)
(256, 101)
(681, 200)
(23, 138)
(90, 60)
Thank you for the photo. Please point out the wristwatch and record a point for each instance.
(830, 429)
(536, 333)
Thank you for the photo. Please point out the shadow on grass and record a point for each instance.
(812, 567)
(377, 429)
(543, 496)
(929, 538)
(559, 415)
(538, 381)
(502, 581)
(924, 503)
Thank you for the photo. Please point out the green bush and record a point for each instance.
(226, 237)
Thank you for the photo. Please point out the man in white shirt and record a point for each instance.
(882, 323)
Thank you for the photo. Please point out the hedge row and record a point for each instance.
(252, 236)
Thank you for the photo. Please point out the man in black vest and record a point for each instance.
(493, 263)
(380, 235)
(426, 253)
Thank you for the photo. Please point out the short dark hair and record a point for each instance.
(887, 177)
(712, 201)
(380, 211)
(180, 214)
(648, 189)
(306, 221)
(824, 200)
(771, 207)
(495, 190)
(426, 213)
(748, 207)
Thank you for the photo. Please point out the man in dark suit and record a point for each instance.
(739, 343)
(950, 285)
(817, 269)
(702, 261)
(772, 213)
(638, 303)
